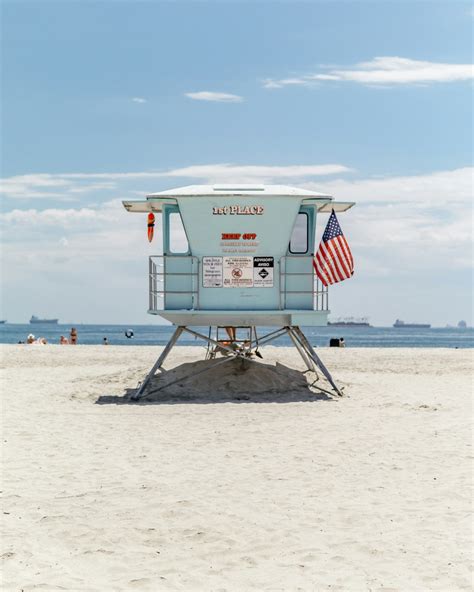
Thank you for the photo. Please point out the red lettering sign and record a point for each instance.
(237, 236)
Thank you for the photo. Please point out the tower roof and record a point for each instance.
(238, 189)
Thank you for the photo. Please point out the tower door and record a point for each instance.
(179, 267)
(297, 268)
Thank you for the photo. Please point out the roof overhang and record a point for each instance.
(154, 202)
(337, 206)
(150, 205)
(237, 189)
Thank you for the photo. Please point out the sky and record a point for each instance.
(105, 101)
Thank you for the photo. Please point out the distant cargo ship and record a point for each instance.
(400, 324)
(350, 322)
(36, 321)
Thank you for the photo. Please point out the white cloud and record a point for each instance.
(218, 97)
(84, 264)
(405, 225)
(139, 100)
(405, 241)
(433, 188)
(223, 171)
(255, 173)
(32, 186)
(92, 187)
(67, 186)
(69, 218)
(58, 187)
(444, 189)
(387, 71)
(269, 83)
(403, 228)
(433, 210)
(92, 235)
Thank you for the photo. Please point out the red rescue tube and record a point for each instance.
(151, 226)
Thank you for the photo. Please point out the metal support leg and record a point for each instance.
(316, 358)
(309, 356)
(301, 350)
(158, 363)
(209, 354)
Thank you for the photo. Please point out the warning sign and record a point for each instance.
(263, 272)
(238, 272)
(212, 272)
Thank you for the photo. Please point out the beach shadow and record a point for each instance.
(236, 381)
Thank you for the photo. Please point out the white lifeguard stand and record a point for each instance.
(238, 257)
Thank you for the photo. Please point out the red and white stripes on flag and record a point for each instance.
(333, 262)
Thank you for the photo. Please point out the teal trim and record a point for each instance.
(310, 211)
(245, 318)
(169, 209)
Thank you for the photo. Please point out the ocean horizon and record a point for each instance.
(93, 334)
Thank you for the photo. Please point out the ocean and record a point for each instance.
(318, 336)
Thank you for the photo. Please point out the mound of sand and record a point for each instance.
(206, 378)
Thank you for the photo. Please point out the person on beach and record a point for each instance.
(105, 342)
(63, 340)
(73, 336)
(231, 332)
(30, 340)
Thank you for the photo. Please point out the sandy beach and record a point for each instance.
(202, 490)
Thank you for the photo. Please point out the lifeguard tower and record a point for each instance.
(238, 257)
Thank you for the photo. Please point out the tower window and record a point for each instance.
(178, 240)
(299, 237)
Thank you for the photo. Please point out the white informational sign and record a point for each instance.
(212, 272)
(263, 272)
(238, 272)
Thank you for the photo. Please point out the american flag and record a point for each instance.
(333, 262)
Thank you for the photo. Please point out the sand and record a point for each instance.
(207, 490)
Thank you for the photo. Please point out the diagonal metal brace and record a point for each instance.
(306, 351)
(159, 362)
(314, 356)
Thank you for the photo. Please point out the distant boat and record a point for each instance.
(350, 322)
(401, 325)
(37, 321)
(2, 322)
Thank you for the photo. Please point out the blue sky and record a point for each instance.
(110, 100)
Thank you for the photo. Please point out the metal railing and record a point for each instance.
(320, 294)
(318, 289)
(158, 273)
